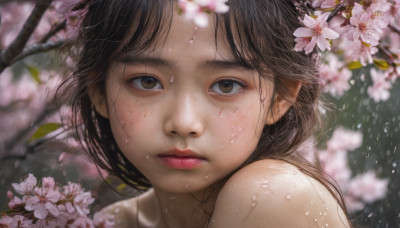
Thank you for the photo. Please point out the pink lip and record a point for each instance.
(181, 159)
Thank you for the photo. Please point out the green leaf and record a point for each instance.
(354, 65)
(35, 73)
(381, 64)
(44, 130)
(121, 187)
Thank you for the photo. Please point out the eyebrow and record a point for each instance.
(155, 61)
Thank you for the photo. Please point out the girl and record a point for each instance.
(207, 121)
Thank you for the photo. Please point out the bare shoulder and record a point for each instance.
(272, 193)
(124, 213)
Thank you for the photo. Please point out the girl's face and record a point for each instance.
(187, 115)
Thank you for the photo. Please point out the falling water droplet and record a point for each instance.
(352, 82)
(307, 213)
(288, 196)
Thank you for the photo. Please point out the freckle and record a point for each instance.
(288, 196)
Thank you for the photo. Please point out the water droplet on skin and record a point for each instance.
(187, 186)
(191, 41)
(315, 220)
(137, 102)
(122, 122)
(240, 129)
(220, 113)
(171, 196)
(206, 177)
(254, 203)
(232, 141)
(307, 213)
(196, 28)
(320, 213)
(237, 210)
(326, 224)
(236, 110)
(171, 80)
(264, 185)
(255, 196)
(324, 213)
(147, 156)
(117, 210)
(126, 140)
(288, 196)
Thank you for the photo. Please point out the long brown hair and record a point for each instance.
(259, 34)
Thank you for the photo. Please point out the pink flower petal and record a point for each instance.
(303, 32)
(329, 34)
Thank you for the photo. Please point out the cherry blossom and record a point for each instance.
(367, 187)
(364, 26)
(379, 91)
(26, 186)
(316, 29)
(43, 202)
(333, 80)
(361, 51)
(196, 10)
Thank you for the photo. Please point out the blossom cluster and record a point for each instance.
(362, 189)
(46, 205)
(197, 10)
(356, 33)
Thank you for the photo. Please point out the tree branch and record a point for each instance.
(3, 2)
(335, 11)
(395, 29)
(54, 31)
(38, 48)
(15, 48)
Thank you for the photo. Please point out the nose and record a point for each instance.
(185, 119)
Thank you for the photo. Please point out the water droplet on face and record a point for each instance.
(307, 213)
(191, 41)
(236, 110)
(254, 203)
(220, 114)
(171, 196)
(264, 185)
(171, 80)
(324, 213)
(240, 129)
(326, 224)
(122, 122)
(206, 177)
(232, 141)
(196, 28)
(255, 196)
(137, 102)
(187, 186)
(126, 140)
(147, 156)
(288, 196)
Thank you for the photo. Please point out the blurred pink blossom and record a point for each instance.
(317, 29)
(27, 186)
(379, 91)
(362, 52)
(344, 140)
(367, 187)
(334, 81)
(196, 10)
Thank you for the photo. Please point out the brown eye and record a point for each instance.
(147, 83)
(227, 87)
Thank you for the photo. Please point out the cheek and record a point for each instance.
(239, 125)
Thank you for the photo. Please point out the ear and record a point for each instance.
(98, 100)
(281, 106)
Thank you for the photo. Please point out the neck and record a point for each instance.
(186, 209)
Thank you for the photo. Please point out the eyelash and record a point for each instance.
(237, 86)
(138, 83)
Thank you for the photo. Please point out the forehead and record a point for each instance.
(179, 36)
